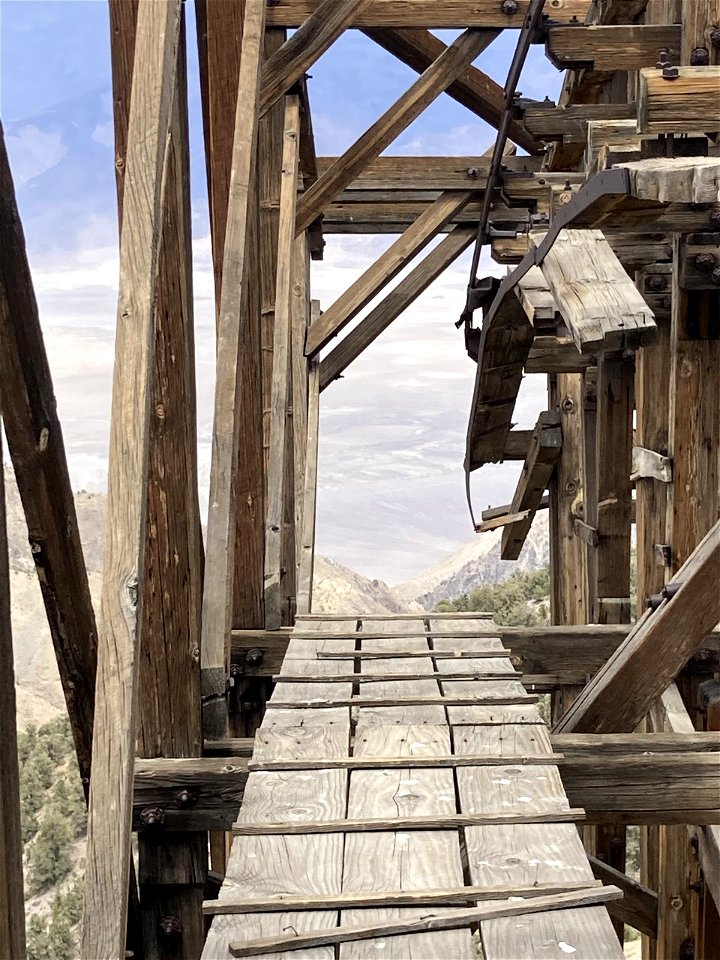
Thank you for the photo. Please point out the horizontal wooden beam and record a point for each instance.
(687, 104)
(429, 14)
(429, 173)
(656, 649)
(569, 123)
(611, 48)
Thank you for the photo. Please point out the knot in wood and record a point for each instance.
(185, 798)
(43, 440)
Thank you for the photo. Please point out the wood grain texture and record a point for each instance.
(307, 541)
(12, 910)
(686, 105)
(219, 565)
(613, 47)
(396, 119)
(108, 851)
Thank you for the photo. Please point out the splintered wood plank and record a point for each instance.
(677, 180)
(219, 561)
(299, 865)
(408, 859)
(399, 116)
(110, 813)
(597, 299)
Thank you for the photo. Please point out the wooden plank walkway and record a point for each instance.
(332, 866)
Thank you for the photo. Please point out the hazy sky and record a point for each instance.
(391, 488)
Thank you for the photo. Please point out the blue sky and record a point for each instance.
(391, 494)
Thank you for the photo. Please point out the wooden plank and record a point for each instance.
(537, 471)
(219, 565)
(639, 905)
(12, 910)
(685, 105)
(385, 269)
(452, 921)
(427, 88)
(699, 21)
(299, 379)
(614, 47)
(569, 123)
(420, 700)
(414, 762)
(427, 14)
(274, 612)
(307, 557)
(684, 180)
(655, 650)
(37, 452)
(316, 35)
(108, 850)
(473, 88)
(395, 303)
(400, 173)
(425, 898)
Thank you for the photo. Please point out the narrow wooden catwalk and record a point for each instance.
(524, 842)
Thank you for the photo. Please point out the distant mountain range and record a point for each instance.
(337, 589)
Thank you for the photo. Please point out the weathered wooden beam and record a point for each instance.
(473, 88)
(274, 527)
(219, 564)
(639, 905)
(536, 473)
(656, 649)
(12, 906)
(396, 173)
(108, 849)
(37, 452)
(395, 303)
(611, 48)
(569, 124)
(307, 542)
(687, 104)
(557, 355)
(397, 118)
(316, 35)
(428, 14)
(385, 268)
(300, 316)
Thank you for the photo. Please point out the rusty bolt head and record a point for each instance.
(654, 601)
(705, 262)
(656, 282)
(715, 37)
(152, 818)
(509, 7)
(254, 657)
(715, 276)
(700, 57)
(715, 219)
(171, 926)
(185, 799)
(473, 173)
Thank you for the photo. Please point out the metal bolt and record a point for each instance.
(509, 7)
(654, 601)
(715, 219)
(715, 276)
(152, 818)
(700, 57)
(656, 282)
(706, 262)
(715, 37)
(473, 173)
(171, 926)
(254, 657)
(185, 799)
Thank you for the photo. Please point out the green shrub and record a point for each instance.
(49, 856)
(521, 600)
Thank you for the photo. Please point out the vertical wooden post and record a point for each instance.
(109, 822)
(12, 905)
(300, 310)
(275, 596)
(307, 546)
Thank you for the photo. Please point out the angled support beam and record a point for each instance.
(639, 905)
(220, 557)
(473, 88)
(612, 48)
(534, 480)
(274, 521)
(448, 66)
(395, 303)
(656, 649)
(109, 821)
(295, 57)
(386, 267)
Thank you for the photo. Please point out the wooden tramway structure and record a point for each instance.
(608, 217)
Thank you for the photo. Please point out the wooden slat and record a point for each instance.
(37, 452)
(429, 14)
(537, 471)
(274, 613)
(307, 554)
(299, 380)
(426, 89)
(12, 909)
(385, 268)
(655, 650)
(639, 905)
(108, 850)
(473, 88)
(395, 303)
(219, 565)
(317, 34)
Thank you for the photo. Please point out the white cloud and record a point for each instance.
(34, 151)
(104, 133)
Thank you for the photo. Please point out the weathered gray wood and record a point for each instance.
(12, 908)
(219, 563)
(613, 47)
(108, 850)
(453, 920)
(426, 89)
(277, 451)
(307, 549)
(638, 906)
(295, 57)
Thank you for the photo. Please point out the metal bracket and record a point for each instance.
(648, 464)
